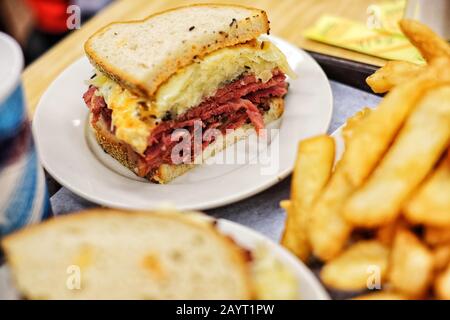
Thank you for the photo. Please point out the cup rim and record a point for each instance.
(15, 66)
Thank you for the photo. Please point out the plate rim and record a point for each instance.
(279, 252)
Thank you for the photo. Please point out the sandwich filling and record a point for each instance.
(224, 90)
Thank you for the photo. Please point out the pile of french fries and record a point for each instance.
(379, 216)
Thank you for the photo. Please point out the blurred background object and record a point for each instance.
(435, 14)
(39, 24)
(23, 198)
(16, 19)
(289, 20)
(49, 26)
(385, 15)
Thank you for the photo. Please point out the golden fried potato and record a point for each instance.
(328, 232)
(420, 143)
(436, 236)
(353, 122)
(410, 265)
(370, 141)
(392, 74)
(294, 237)
(386, 234)
(441, 256)
(355, 268)
(438, 69)
(430, 204)
(430, 45)
(315, 159)
(442, 285)
(382, 295)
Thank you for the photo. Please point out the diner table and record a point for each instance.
(288, 18)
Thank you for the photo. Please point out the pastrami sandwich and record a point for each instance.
(196, 65)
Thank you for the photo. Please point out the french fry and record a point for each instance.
(352, 269)
(388, 179)
(386, 234)
(392, 74)
(352, 123)
(422, 140)
(410, 265)
(294, 237)
(371, 140)
(312, 170)
(430, 45)
(382, 295)
(437, 236)
(328, 232)
(441, 256)
(442, 285)
(430, 205)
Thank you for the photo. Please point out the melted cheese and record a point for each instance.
(128, 113)
(134, 117)
(188, 87)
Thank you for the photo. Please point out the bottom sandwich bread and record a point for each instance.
(106, 254)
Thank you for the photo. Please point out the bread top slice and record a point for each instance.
(108, 254)
(141, 55)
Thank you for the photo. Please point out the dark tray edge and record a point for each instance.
(346, 71)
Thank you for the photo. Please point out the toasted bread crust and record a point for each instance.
(114, 147)
(242, 31)
(166, 173)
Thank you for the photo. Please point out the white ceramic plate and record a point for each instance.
(309, 286)
(67, 152)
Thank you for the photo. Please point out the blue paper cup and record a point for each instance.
(23, 192)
